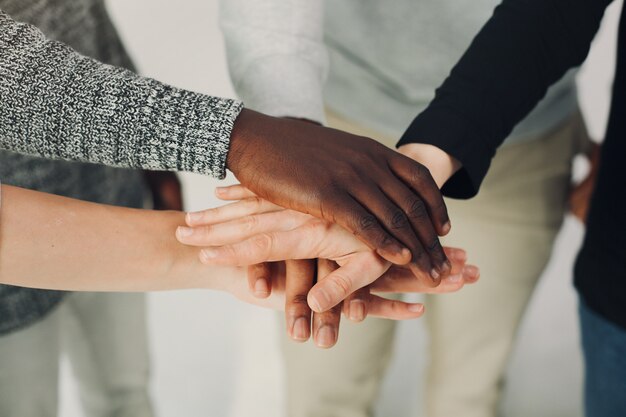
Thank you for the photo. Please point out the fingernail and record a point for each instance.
(220, 190)
(447, 227)
(300, 331)
(455, 278)
(406, 254)
(326, 337)
(208, 254)
(434, 274)
(193, 218)
(471, 271)
(261, 288)
(416, 308)
(183, 231)
(357, 310)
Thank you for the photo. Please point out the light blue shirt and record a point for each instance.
(374, 62)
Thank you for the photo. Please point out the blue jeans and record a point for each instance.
(604, 348)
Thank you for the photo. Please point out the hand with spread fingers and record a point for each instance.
(323, 327)
(68, 255)
(253, 231)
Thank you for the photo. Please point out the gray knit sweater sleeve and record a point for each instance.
(57, 103)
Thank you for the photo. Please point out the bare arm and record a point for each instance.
(53, 242)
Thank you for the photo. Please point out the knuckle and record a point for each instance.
(341, 285)
(314, 231)
(362, 295)
(420, 174)
(395, 307)
(385, 239)
(263, 241)
(254, 203)
(298, 300)
(417, 209)
(333, 187)
(332, 315)
(231, 253)
(314, 225)
(398, 220)
(435, 247)
(348, 173)
(203, 231)
(201, 217)
(369, 229)
(370, 262)
(250, 223)
(258, 271)
(335, 312)
(322, 225)
(417, 172)
(366, 223)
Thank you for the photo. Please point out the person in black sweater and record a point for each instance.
(525, 47)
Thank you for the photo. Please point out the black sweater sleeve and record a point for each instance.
(525, 47)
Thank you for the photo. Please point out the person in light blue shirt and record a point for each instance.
(370, 67)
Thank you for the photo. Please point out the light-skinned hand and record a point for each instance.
(253, 230)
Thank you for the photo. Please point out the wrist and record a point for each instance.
(442, 166)
(237, 141)
(176, 266)
(183, 268)
(248, 127)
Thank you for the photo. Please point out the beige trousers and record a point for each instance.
(508, 229)
(105, 337)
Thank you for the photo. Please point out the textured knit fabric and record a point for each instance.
(58, 103)
(383, 59)
(59, 100)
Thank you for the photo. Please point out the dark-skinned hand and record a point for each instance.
(386, 199)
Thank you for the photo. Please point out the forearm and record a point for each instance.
(57, 103)
(54, 242)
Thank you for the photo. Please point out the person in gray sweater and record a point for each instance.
(104, 334)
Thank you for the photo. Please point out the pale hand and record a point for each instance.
(253, 231)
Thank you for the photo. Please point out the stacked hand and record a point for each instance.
(386, 199)
(253, 231)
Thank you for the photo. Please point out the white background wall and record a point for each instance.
(214, 357)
